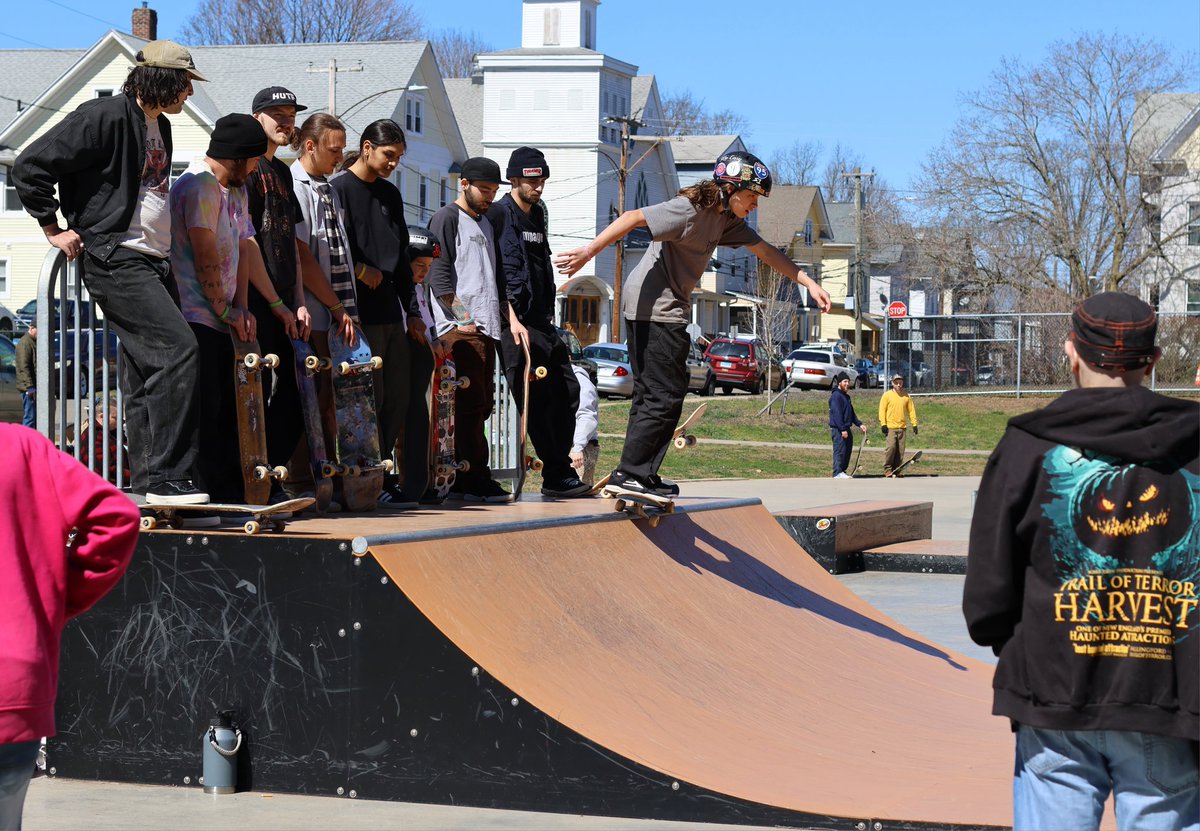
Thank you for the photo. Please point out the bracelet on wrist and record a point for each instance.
(224, 316)
(360, 271)
(466, 322)
(336, 307)
(278, 302)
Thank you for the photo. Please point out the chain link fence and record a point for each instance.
(1007, 354)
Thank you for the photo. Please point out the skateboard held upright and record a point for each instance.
(359, 462)
(526, 462)
(252, 436)
(442, 464)
(308, 364)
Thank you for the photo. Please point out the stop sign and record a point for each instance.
(897, 309)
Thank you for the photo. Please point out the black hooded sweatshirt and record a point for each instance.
(1084, 564)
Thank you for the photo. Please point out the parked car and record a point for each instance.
(701, 379)
(614, 375)
(576, 351)
(816, 368)
(871, 375)
(985, 375)
(743, 364)
(12, 409)
(11, 325)
(89, 313)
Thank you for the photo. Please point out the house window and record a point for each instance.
(550, 32)
(443, 191)
(3, 278)
(11, 202)
(588, 43)
(177, 170)
(1193, 227)
(412, 114)
(508, 99)
(423, 196)
(808, 232)
(541, 99)
(106, 92)
(1193, 297)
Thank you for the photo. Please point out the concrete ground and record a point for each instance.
(928, 604)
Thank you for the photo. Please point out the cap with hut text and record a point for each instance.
(168, 55)
(275, 97)
(1114, 330)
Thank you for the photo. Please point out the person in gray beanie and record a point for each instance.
(211, 232)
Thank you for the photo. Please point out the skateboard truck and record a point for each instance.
(254, 361)
(262, 472)
(347, 368)
(330, 469)
(314, 364)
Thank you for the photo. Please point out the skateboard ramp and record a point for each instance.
(713, 650)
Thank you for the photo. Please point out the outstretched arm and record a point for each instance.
(775, 258)
(570, 262)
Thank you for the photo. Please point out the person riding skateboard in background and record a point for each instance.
(466, 281)
(657, 300)
(211, 236)
(896, 410)
(842, 421)
(1082, 575)
(110, 161)
(528, 277)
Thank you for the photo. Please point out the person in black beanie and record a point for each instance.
(1082, 575)
(527, 274)
(842, 421)
(211, 233)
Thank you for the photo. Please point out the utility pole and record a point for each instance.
(859, 290)
(333, 69)
(623, 172)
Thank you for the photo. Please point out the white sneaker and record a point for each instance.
(843, 475)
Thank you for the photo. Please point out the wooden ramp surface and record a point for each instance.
(716, 651)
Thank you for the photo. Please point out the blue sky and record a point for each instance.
(882, 78)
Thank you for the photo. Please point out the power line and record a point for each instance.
(23, 40)
(85, 14)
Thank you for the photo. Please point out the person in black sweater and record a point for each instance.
(387, 304)
(1082, 575)
(842, 421)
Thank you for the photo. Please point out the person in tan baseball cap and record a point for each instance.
(167, 54)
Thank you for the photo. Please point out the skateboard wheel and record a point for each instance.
(252, 527)
(540, 372)
(278, 525)
(445, 386)
(270, 360)
(252, 360)
(312, 363)
(681, 442)
(653, 520)
(376, 362)
(444, 371)
(464, 465)
(351, 470)
(443, 471)
(535, 464)
(149, 523)
(279, 472)
(343, 368)
(621, 504)
(328, 471)
(388, 465)
(261, 472)
(691, 441)
(463, 383)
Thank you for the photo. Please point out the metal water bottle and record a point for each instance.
(222, 742)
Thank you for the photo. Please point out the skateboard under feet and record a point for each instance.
(642, 506)
(257, 516)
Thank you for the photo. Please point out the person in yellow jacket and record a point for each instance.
(896, 410)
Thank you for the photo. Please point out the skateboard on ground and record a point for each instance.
(638, 503)
(916, 457)
(359, 462)
(257, 472)
(308, 364)
(858, 454)
(443, 466)
(526, 462)
(256, 515)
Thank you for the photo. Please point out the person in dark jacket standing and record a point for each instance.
(27, 376)
(1082, 575)
(528, 277)
(842, 421)
(110, 160)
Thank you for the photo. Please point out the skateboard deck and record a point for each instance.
(916, 457)
(443, 466)
(359, 462)
(637, 503)
(257, 516)
(308, 364)
(681, 438)
(525, 461)
(257, 472)
(858, 453)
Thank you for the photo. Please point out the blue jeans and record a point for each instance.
(1063, 777)
(29, 417)
(16, 769)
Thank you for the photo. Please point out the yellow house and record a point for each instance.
(795, 221)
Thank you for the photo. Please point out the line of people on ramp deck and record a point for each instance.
(243, 243)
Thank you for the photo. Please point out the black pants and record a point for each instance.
(416, 438)
(219, 465)
(658, 354)
(285, 420)
(553, 399)
(160, 362)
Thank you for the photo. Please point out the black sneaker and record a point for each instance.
(622, 481)
(488, 490)
(568, 488)
(663, 487)
(394, 497)
(176, 492)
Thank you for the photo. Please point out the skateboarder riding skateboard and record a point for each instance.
(686, 231)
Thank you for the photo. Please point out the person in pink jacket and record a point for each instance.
(66, 537)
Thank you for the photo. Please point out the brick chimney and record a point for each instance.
(145, 22)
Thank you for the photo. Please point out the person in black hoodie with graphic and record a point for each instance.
(1082, 576)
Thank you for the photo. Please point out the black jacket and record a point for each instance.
(524, 260)
(96, 156)
(1084, 564)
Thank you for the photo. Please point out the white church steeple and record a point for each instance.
(558, 24)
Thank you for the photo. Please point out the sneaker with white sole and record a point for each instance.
(843, 475)
(176, 492)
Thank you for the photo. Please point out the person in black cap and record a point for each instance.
(276, 293)
(842, 421)
(465, 280)
(1082, 575)
(528, 278)
(110, 161)
(210, 233)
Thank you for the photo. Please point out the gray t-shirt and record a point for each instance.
(661, 286)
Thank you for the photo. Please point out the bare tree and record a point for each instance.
(685, 115)
(1044, 165)
(797, 164)
(456, 51)
(837, 187)
(776, 301)
(218, 22)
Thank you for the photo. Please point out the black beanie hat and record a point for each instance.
(237, 136)
(527, 162)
